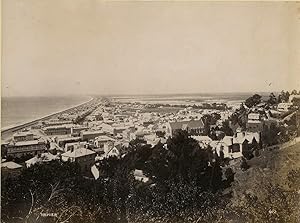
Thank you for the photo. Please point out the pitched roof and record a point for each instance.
(228, 140)
(254, 121)
(184, 124)
(92, 132)
(61, 139)
(202, 138)
(22, 134)
(11, 165)
(104, 138)
(95, 172)
(240, 138)
(252, 135)
(75, 143)
(65, 126)
(113, 152)
(78, 153)
(254, 116)
(28, 143)
(45, 157)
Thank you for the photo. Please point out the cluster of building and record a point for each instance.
(103, 128)
(25, 143)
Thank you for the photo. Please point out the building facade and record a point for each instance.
(58, 130)
(83, 156)
(193, 127)
(21, 148)
(254, 123)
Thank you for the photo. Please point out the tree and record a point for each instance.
(42, 188)
(160, 134)
(183, 180)
(156, 167)
(272, 99)
(294, 92)
(271, 134)
(252, 101)
(208, 120)
(286, 96)
(135, 144)
(226, 128)
(229, 175)
(244, 164)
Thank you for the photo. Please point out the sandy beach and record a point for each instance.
(7, 132)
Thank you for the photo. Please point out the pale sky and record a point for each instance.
(60, 47)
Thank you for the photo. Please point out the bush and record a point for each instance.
(244, 164)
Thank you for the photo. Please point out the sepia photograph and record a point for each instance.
(150, 111)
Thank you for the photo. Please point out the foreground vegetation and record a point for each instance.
(187, 184)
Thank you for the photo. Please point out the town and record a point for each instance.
(109, 130)
(102, 128)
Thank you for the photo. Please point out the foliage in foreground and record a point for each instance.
(186, 184)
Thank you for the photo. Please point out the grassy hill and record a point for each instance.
(269, 191)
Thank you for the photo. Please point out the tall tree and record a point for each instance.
(252, 101)
(272, 99)
(294, 92)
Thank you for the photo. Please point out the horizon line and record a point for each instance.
(142, 94)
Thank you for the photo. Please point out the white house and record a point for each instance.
(293, 96)
(11, 165)
(72, 145)
(254, 124)
(104, 143)
(233, 146)
(114, 152)
(83, 156)
(139, 176)
(253, 116)
(283, 107)
(203, 140)
(44, 157)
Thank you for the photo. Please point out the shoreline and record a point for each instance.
(13, 128)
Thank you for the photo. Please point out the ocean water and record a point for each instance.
(17, 110)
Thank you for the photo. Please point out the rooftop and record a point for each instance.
(76, 143)
(92, 132)
(78, 153)
(188, 124)
(104, 138)
(202, 138)
(253, 116)
(44, 157)
(27, 143)
(23, 134)
(139, 175)
(59, 126)
(68, 138)
(254, 121)
(11, 165)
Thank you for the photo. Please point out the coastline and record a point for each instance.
(8, 130)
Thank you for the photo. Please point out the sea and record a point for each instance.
(18, 110)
